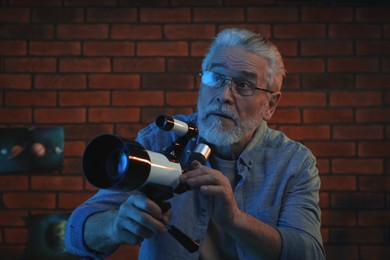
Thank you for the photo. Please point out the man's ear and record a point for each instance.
(273, 101)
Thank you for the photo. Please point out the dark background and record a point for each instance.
(113, 66)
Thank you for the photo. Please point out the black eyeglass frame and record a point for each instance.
(231, 79)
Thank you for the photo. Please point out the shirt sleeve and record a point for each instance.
(102, 201)
(300, 215)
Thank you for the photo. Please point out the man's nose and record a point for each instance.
(226, 93)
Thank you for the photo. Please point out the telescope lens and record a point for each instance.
(117, 164)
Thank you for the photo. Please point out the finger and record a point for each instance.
(144, 212)
(143, 203)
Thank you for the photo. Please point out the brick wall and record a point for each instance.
(112, 66)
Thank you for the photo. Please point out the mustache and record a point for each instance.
(221, 110)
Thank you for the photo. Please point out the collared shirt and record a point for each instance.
(278, 185)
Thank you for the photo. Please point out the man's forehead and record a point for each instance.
(239, 62)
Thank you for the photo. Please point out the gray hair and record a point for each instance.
(255, 43)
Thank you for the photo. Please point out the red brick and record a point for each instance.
(149, 114)
(300, 31)
(338, 218)
(15, 81)
(84, 98)
(287, 48)
(165, 15)
(292, 81)
(379, 14)
(357, 235)
(372, 48)
(177, 48)
(136, 32)
(10, 183)
(71, 166)
(12, 48)
(86, 131)
(114, 81)
(268, 14)
(385, 65)
(387, 31)
(60, 81)
(341, 251)
(12, 218)
(323, 166)
(357, 200)
(306, 132)
(30, 64)
(14, 15)
(82, 31)
(353, 64)
(114, 115)
(121, 48)
(192, 31)
(354, 31)
(15, 235)
(56, 183)
(358, 132)
(373, 81)
(36, 2)
(338, 183)
(286, 115)
(31, 98)
(249, 2)
(139, 65)
(324, 234)
(357, 166)
(138, 98)
(374, 149)
(199, 2)
(225, 14)
(334, 149)
(74, 148)
(15, 115)
(54, 48)
(72, 200)
(374, 251)
(328, 81)
(187, 98)
(327, 115)
(307, 65)
(29, 200)
(109, 15)
(27, 31)
(326, 14)
(374, 218)
(57, 15)
(377, 183)
(372, 115)
(164, 81)
(326, 48)
(324, 200)
(60, 115)
(85, 65)
(129, 131)
(191, 65)
(362, 98)
(302, 98)
(84, 3)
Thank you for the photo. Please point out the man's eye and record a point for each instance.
(243, 85)
(218, 77)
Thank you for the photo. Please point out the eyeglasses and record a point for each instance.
(239, 86)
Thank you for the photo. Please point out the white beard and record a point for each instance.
(212, 130)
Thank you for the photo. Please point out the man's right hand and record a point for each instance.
(137, 218)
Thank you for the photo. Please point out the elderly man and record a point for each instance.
(256, 197)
